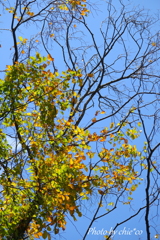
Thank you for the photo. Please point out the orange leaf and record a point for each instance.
(101, 192)
(37, 235)
(103, 139)
(111, 135)
(83, 13)
(50, 57)
(72, 208)
(30, 13)
(90, 74)
(22, 51)
(83, 157)
(103, 112)
(94, 120)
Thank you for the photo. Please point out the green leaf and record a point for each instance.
(130, 198)
(45, 234)
(48, 228)
(111, 204)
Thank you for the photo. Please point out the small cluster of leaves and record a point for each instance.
(69, 5)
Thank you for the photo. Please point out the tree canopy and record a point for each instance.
(82, 128)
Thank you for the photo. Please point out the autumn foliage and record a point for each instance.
(69, 137)
(49, 172)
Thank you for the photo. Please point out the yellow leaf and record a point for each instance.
(133, 188)
(153, 44)
(112, 125)
(67, 198)
(100, 204)
(22, 51)
(103, 112)
(157, 235)
(63, 7)
(49, 219)
(14, 184)
(90, 154)
(71, 186)
(110, 182)
(111, 204)
(52, 35)
(111, 135)
(24, 40)
(74, 25)
(106, 236)
(74, 94)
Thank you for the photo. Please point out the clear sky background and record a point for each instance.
(76, 230)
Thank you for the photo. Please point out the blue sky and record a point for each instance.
(135, 228)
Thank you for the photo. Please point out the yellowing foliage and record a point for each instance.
(49, 170)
